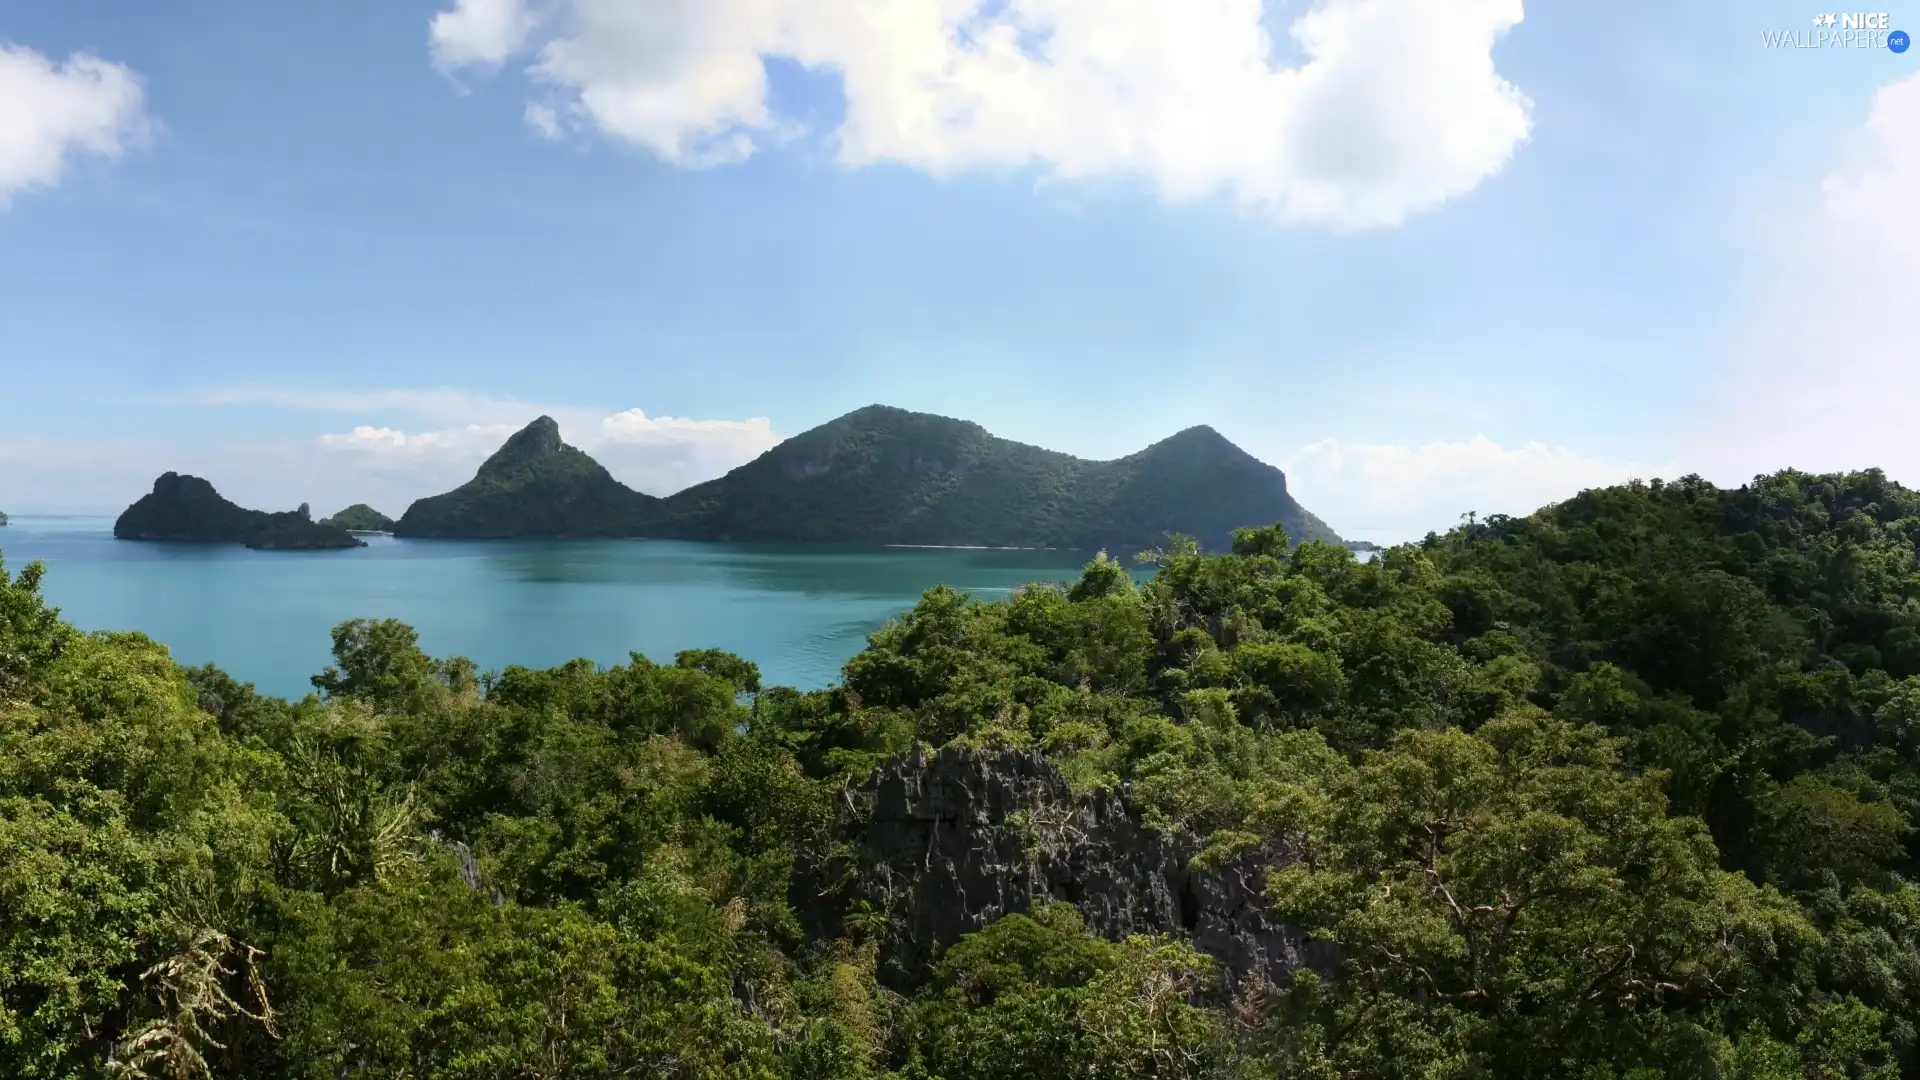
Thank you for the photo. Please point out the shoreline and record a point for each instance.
(966, 547)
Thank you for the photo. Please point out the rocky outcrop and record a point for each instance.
(360, 518)
(945, 844)
(534, 487)
(187, 509)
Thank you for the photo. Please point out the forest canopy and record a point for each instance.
(1626, 788)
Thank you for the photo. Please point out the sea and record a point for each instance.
(264, 616)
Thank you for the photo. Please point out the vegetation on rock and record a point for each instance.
(885, 476)
(534, 486)
(360, 518)
(188, 509)
(1623, 789)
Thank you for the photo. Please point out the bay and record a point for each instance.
(798, 612)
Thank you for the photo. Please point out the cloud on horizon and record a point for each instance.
(1388, 493)
(1827, 376)
(1377, 109)
(53, 112)
(655, 454)
(1381, 492)
(386, 464)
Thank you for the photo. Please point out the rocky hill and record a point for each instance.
(187, 509)
(360, 518)
(881, 475)
(533, 487)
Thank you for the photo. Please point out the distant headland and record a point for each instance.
(360, 518)
(882, 476)
(187, 509)
(877, 476)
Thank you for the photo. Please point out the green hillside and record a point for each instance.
(360, 518)
(1626, 789)
(534, 487)
(188, 509)
(887, 476)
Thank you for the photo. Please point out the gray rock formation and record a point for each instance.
(946, 844)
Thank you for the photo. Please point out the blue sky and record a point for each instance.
(1463, 256)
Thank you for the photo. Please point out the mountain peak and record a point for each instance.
(1200, 433)
(1199, 438)
(535, 485)
(173, 485)
(540, 439)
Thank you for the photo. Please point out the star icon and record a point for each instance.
(1823, 20)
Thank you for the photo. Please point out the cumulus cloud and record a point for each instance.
(655, 454)
(385, 445)
(1828, 376)
(1393, 106)
(479, 32)
(1389, 494)
(53, 112)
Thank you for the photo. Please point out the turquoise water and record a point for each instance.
(264, 616)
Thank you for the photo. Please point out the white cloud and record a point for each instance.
(443, 403)
(1389, 494)
(433, 443)
(479, 32)
(1827, 375)
(544, 120)
(1395, 107)
(387, 445)
(655, 454)
(52, 112)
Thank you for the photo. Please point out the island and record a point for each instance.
(534, 487)
(187, 509)
(3, 519)
(360, 518)
(884, 476)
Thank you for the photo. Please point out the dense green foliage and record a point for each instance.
(1626, 788)
(885, 476)
(360, 518)
(187, 509)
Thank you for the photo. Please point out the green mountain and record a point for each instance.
(3, 519)
(886, 476)
(534, 487)
(360, 518)
(188, 509)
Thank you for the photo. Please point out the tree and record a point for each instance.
(1518, 904)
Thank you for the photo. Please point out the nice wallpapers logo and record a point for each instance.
(1847, 30)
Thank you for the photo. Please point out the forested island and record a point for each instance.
(360, 518)
(878, 476)
(187, 509)
(1626, 788)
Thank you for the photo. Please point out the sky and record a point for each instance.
(1426, 257)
